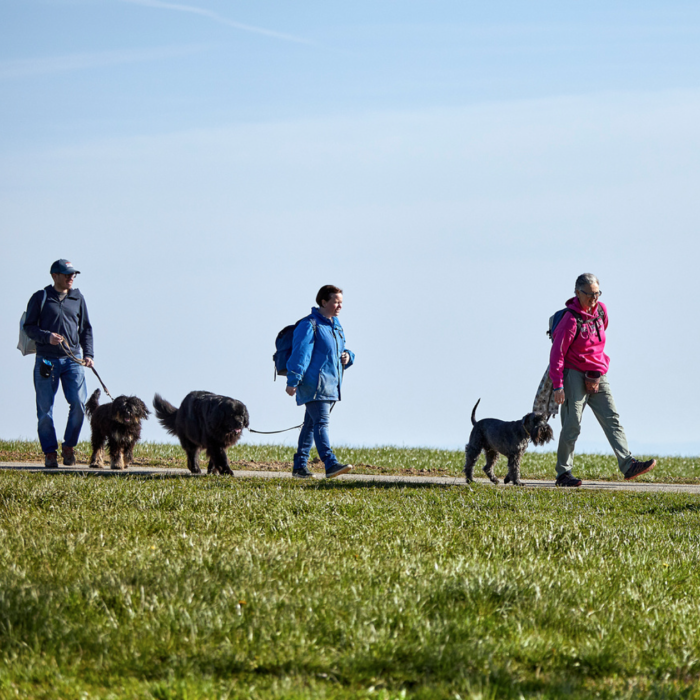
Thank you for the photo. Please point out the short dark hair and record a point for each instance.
(326, 292)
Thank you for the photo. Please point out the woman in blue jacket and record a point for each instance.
(314, 374)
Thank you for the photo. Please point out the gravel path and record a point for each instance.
(381, 478)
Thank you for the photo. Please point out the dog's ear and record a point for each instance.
(542, 431)
(141, 410)
(530, 423)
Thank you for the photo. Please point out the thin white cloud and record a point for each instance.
(217, 18)
(18, 68)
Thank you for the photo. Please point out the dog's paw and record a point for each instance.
(97, 466)
(494, 480)
(507, 479)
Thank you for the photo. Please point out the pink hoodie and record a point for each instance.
(586, 353)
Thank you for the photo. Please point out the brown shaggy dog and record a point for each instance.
(118, 423)
(204, 421)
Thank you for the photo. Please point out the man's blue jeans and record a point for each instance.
(72, 378)
(315, 429)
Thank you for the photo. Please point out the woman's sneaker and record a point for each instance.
(302, 473)
(337, 470)
(637, 468)
(568, 479)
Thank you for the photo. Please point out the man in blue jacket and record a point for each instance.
(54, 314)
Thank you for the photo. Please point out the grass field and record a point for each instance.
(173, 588)
(384, 460)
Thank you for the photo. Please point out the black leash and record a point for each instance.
(274, 432)
(69, 352)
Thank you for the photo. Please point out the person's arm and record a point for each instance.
(563, 337)
(350, 358)
(302, 349)
(31, 321)
(85, 333)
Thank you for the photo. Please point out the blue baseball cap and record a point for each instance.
(63, 267)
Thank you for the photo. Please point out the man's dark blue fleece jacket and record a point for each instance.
(68, 318)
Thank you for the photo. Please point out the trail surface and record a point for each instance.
(155, 472)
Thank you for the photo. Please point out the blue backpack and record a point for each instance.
(283, 347)
(554, 321)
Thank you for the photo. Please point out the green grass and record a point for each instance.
(231, 588)
(386, 460)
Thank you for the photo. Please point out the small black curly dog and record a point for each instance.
(119, 424)
(496, 437)
(204, 421)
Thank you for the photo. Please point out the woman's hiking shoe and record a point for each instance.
(337, 470)
(51, 460)
(637, 468)
(302, 473)
(567, 479)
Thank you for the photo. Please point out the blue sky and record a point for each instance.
(453, 166)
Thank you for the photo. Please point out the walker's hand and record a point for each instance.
(559, 396)
(291, 390)
(55, 339)
(88, 362)
(344, 359)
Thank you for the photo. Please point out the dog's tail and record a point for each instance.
(474, 412)
(93, 402)
(166, 413)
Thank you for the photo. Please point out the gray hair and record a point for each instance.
(584, 280)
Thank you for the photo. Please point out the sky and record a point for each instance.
(452, 165)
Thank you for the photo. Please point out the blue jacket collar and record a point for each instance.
(320, 318)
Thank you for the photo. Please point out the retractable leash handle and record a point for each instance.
(69, 352)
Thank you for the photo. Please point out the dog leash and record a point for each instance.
(295, 427)
(273, 432)
(69, 352)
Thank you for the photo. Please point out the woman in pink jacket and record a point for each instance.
(578, 368)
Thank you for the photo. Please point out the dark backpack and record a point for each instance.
(554, 321)
(283, 347)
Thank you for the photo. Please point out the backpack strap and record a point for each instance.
(579, 322)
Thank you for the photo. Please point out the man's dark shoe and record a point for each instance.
(302, 473)
(51, 460)
(68, 455)
(568, 479)
(337, 470)
(637, 468)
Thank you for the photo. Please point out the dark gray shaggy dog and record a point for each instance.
(204, 421)
(496, 437)
(119, 424)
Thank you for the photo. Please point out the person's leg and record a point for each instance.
(603, 407)
(45, 388)
(75, 391)
(571, 413)
(306, 440)
(320, 414)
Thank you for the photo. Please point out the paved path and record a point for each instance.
(381, 478)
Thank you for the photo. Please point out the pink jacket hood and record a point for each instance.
(585, 353)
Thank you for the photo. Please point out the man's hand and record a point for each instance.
(344, 359)
(559, 396)
(89, 362)
(55, 339)
(291, 390)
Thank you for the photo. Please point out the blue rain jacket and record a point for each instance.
(314, 366)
